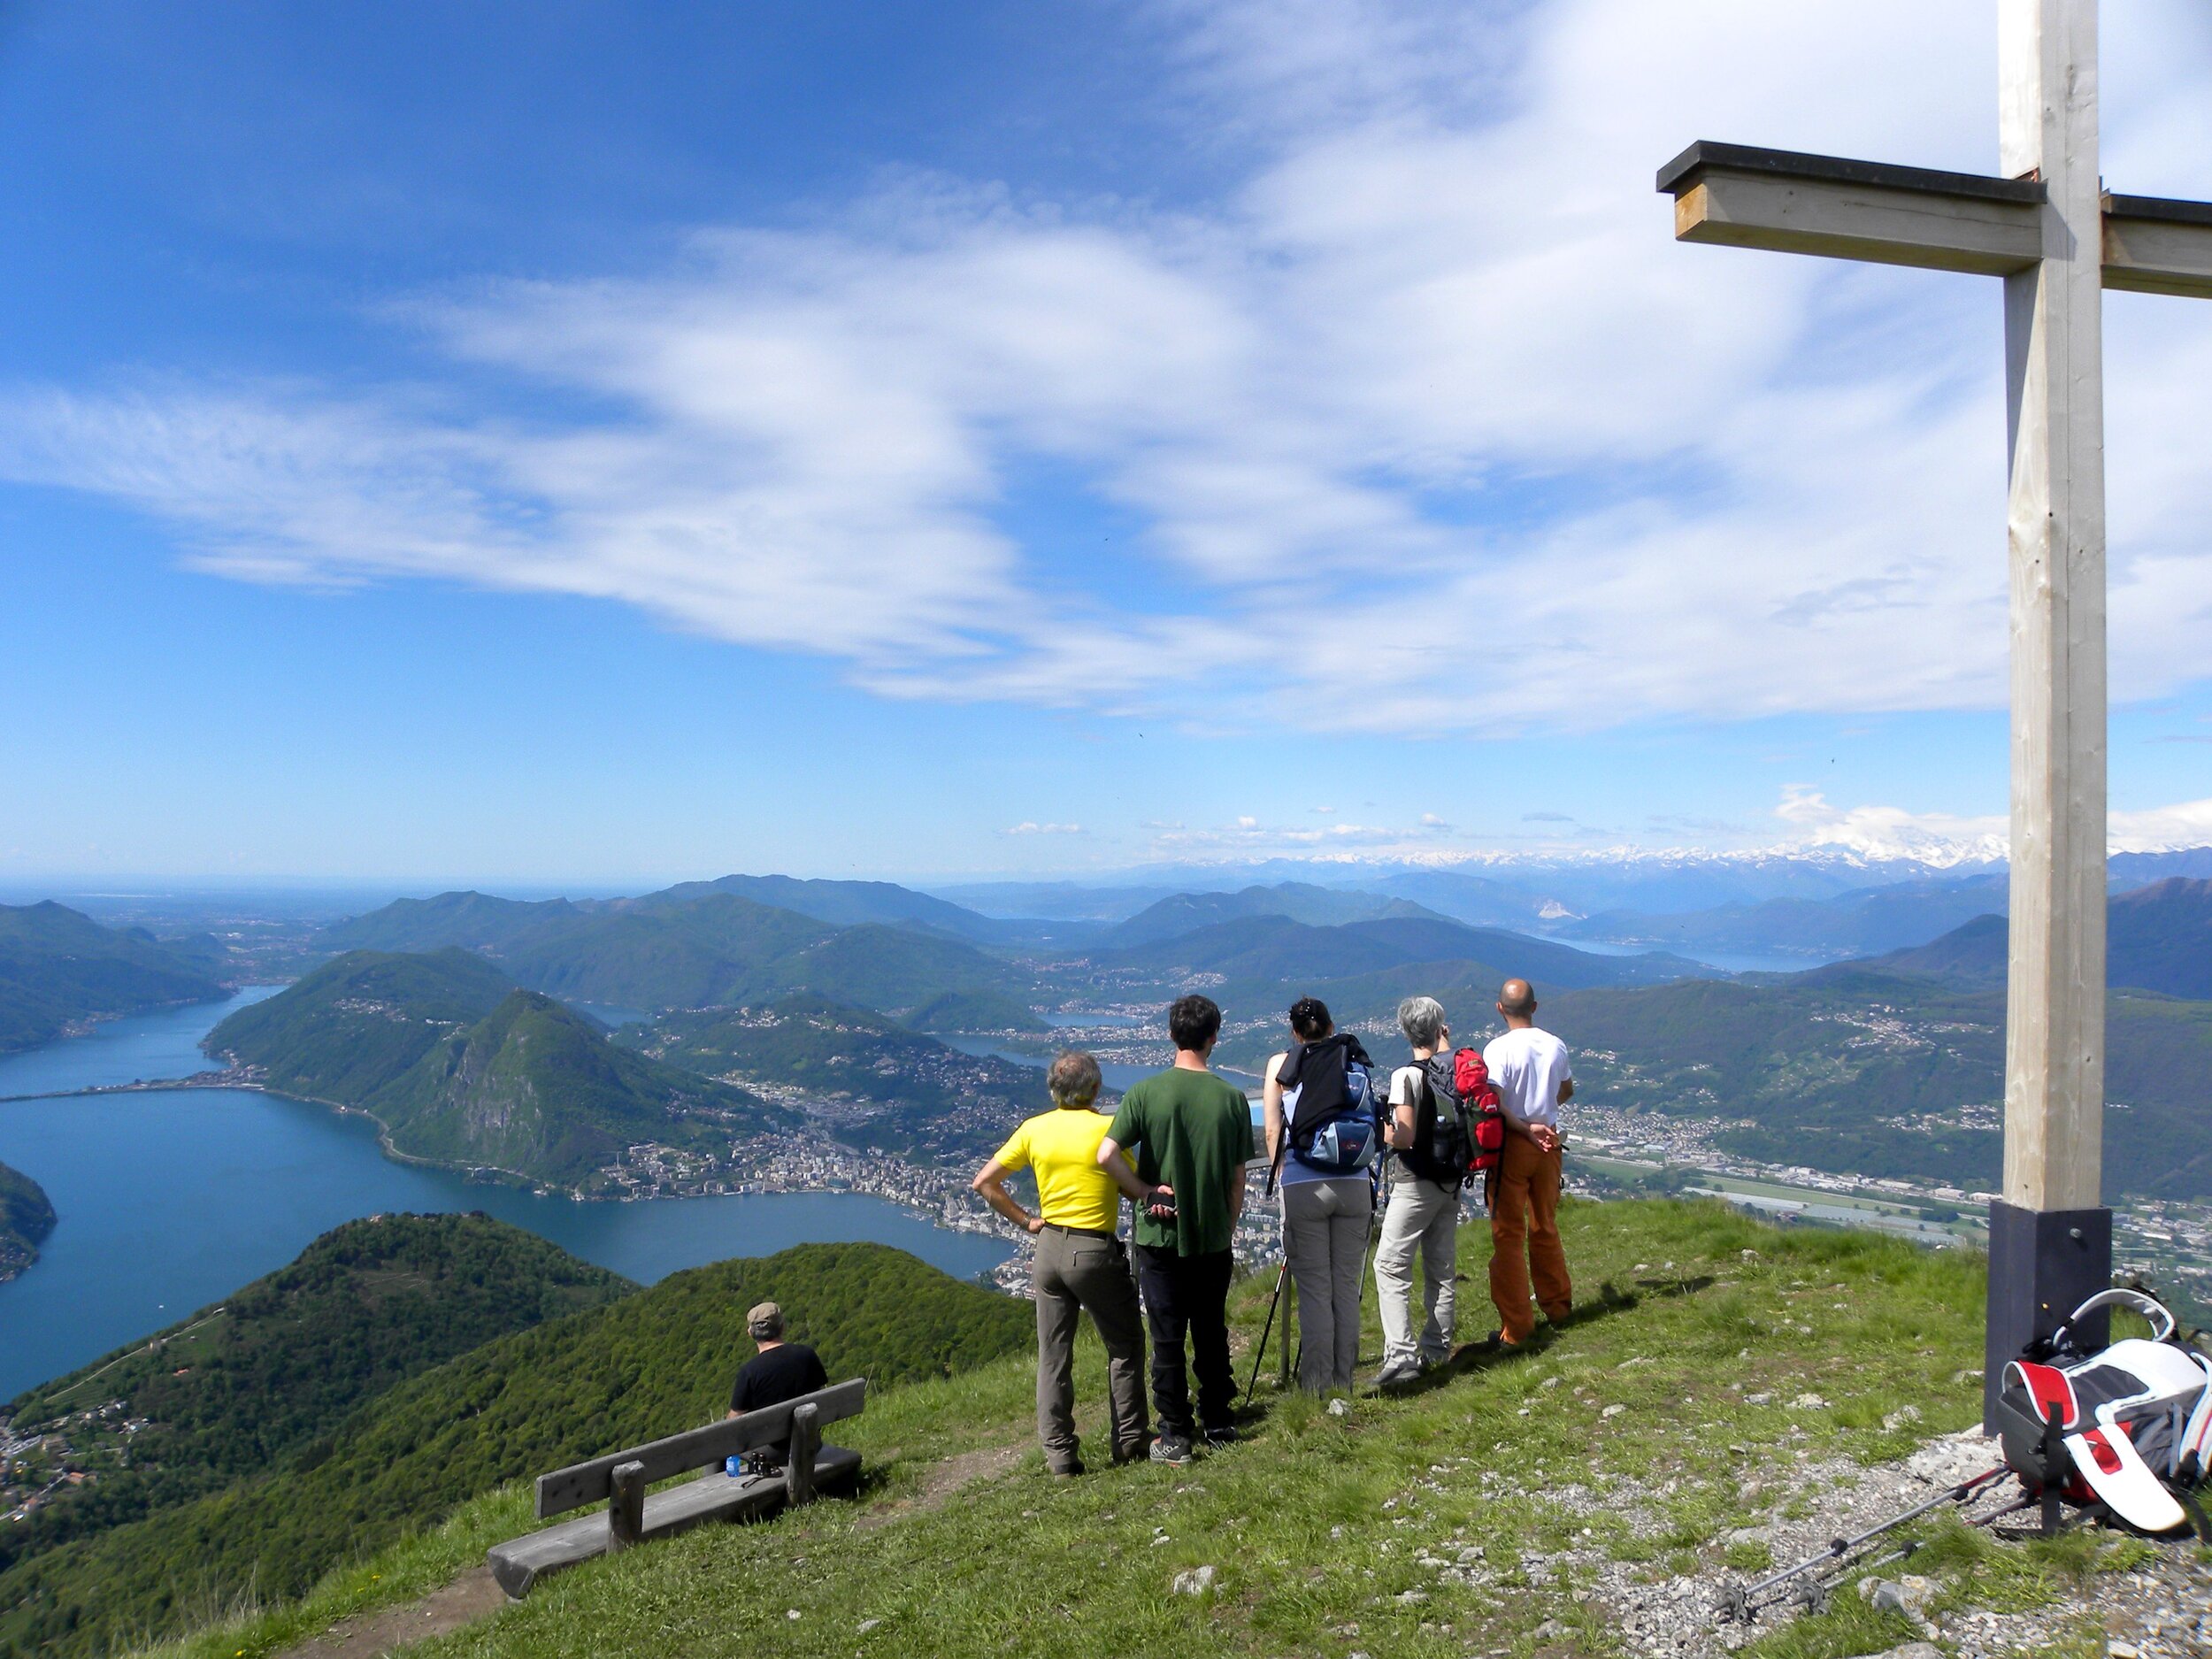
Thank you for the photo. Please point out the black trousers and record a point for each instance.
(1188, 1293)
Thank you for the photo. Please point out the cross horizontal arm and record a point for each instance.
(1743, 197)
(2153, 245)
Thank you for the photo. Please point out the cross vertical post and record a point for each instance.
(2050, 1238)
(2045, 227)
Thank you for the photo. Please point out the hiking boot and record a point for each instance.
(1224, 1436)
(1398, 1373)
(1173, 1450)
(1068, 1472)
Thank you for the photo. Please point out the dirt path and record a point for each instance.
(943, 1479)
(475, 1595)
(468, 1598)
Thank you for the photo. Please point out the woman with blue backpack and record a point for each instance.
(1321, 1139)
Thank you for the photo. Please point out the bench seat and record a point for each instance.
(713, 1496)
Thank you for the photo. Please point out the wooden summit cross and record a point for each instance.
(2050, 231)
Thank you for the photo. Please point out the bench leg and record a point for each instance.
(806, 1444)
(625, 1506)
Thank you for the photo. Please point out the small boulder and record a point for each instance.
(1196, 1581)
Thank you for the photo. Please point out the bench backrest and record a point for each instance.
(592, 1482)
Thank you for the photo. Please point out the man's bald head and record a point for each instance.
(1517, 1000)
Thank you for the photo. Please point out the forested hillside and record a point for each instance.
(2157, 938)
(252, 1385)
(461, 1067)
(1855, 1072)
(693, 947)
(645, 1366)
(878, 1083)
(535, 1089)
(59, 967)
(352, 1026)
(26, 1216)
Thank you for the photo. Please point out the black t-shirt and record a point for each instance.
(783, 1372)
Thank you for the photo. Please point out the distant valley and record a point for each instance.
(1888, 1066)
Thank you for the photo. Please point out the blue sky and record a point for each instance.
(573, 442)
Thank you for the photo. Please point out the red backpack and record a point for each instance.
(1468, 1139)
(1485, 1112)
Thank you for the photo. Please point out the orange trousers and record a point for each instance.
(1524, 1239)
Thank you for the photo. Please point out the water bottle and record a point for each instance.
(733, 1467)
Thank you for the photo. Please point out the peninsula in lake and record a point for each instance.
(461, 1066)
(26, 1216)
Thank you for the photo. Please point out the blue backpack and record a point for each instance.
(1334, 1127)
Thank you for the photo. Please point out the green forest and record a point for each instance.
(929, 1100)
(589, 1381)
(59, 967)
(248, 1385)
(462, 1067)
(26, 1216)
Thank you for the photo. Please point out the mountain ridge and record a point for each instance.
(59, 968)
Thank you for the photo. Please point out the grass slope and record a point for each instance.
(1706, 1329)
(250, 1386)
(643, 1366)
(59, 966)
(26, 1216)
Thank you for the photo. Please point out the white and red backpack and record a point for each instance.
(2129, 1425)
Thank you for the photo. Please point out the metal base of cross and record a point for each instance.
(2043, 1264)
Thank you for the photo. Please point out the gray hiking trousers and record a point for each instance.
(1418, 1216)
(1325, 1240)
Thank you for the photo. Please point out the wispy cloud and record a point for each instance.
(1028, 827)
(1431, 373)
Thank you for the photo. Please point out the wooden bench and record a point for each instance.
(631, 1516)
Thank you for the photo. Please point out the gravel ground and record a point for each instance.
(2162, 1607)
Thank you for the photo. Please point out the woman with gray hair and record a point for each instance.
(1421, 1213)
(1081, 1266)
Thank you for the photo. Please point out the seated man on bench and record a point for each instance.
(780, 1371)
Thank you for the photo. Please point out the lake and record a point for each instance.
(171, 1199)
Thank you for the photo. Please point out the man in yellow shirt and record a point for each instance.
(1081, 1267)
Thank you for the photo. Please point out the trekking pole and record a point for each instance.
(1742, 1601)
(1260, 1353)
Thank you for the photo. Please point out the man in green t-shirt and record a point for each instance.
(1194, 1136)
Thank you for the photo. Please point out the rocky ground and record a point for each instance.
(2133, 1599)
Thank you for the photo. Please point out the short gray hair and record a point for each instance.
(1073, 1080)
(1422, 1019)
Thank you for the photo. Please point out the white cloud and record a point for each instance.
(1030, 828)
(1433, 375)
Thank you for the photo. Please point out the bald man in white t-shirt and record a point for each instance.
(1534, 1079)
